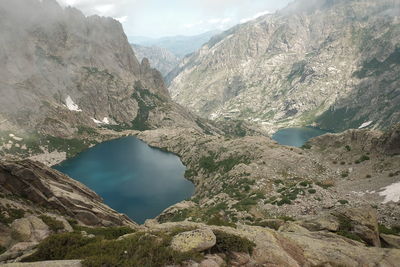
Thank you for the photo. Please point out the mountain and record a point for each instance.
(179, 45)
(63, 74)
(160, 58)
(328, 63)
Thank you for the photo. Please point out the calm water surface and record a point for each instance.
(296, 136)
(131, 177)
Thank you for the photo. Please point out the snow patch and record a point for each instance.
(104, 121)
(365, 124)
(71, 105)
(391, 193)
(16, 138)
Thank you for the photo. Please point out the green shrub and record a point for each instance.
(245, 204)
(284, 201)
(286, 218)
(57, 247)
(106, 233)
(348, 148)
(53, 224)
(343, 201)
(219, 221)
(362, 159)
(312, 191)
(306, 146)
(229, 242)
(389, 231)
(2, 250)
(190, 173)
(304, 183)
(345, 229)
(344, 174)
(13, 214)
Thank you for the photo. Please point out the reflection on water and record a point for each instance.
(131, 177)
(296, 136)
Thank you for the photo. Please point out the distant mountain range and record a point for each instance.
(179, 45)
(160, 58)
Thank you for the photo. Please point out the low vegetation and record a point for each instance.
(395, 230)
(345, 229)
(12, 215)
(53, 224)
(229, 242)
(140, 249)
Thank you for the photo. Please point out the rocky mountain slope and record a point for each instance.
(334, 64)
(159, 58)
(64, 74)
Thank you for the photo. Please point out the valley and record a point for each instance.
(277, 143)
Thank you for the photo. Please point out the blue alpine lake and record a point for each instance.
(131, 177)
(296, 136)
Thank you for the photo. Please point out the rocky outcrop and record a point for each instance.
(334, 63)
(294, 248)
(52, 190)
(196, 240)
(392, 241)
(160, 58)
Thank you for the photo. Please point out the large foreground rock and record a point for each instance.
(303, 248)
(30, 229)
(197, 240)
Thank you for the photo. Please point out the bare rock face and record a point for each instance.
(50, 189)
(363, 222)
(197, 240)
(392, 241)
(328, 64)
(62, 70)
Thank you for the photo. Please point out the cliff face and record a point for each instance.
(334, 63)
(61, 70)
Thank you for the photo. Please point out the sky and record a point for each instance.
(158, 18)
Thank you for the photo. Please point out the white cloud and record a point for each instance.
(157, 18)
(255, 16)
(122, 19)
(105, 9)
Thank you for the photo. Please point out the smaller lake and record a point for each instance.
(296, 136)
(131, 177)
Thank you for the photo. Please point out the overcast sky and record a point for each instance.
(156, 18)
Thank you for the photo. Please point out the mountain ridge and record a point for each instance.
(299, 68)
